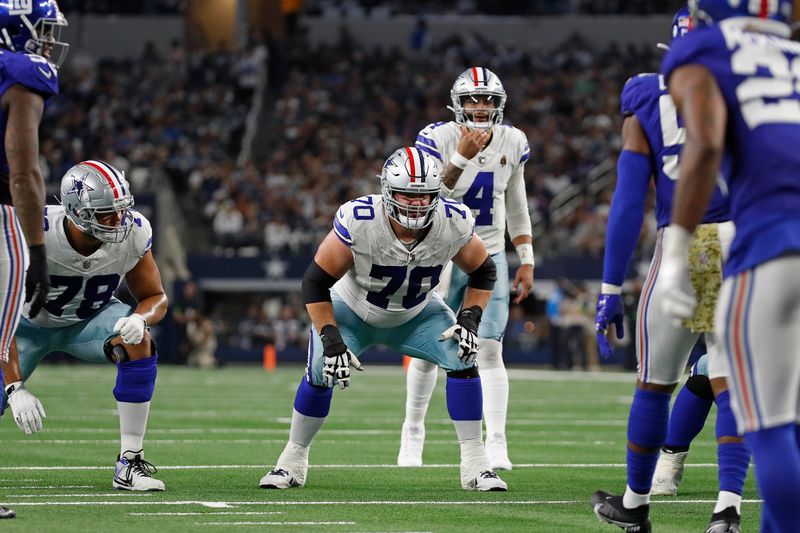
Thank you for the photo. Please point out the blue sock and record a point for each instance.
(733, 457)
(312, 401)
(777, 459)
(136, 380)
(647, 427)
(689, 413)
(464, 398)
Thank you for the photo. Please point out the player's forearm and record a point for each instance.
(698, 178)
(11, 371)
(153, 308)
(27, 193)
(450, 175)
(321, 314)
(477, 297)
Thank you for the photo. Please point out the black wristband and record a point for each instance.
(332, 343)
(470, 318)
(37, 252)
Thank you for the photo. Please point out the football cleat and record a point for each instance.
(497, 451)
(725, 521)
(609, 508)
(669, 473)
(5, 512)
(484, 481)
(279, 478)
(290, 471)
(412, 439)
(132, 472)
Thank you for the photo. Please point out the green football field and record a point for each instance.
(213, 434)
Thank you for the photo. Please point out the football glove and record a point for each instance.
(679, 299)
(37, 282)
(336, 358)
(610, 310)
(26, 408)
(465, 333)
(131, 328)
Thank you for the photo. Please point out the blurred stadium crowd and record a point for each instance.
(331, 115)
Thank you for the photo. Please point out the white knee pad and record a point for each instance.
(490, 354)
(421, 365)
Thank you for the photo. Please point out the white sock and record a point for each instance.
(494, 382)
(468, 429)
(473, 458)
(728, 499)
(632, 500)
(132, 425)
(304, 428)
(420, 382)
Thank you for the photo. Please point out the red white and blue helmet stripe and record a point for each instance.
(112, 176)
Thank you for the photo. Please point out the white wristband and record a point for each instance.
(607, 288)
(11, 387)
(525, 253)
(459, 161)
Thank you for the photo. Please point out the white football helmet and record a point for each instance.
(473, 82)
(93, 188)
(411, 171)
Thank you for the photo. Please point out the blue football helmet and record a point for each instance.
(34, 27)
(712, 11)
(682, 23)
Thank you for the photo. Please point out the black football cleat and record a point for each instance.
(5, 512)
(725, 521)
(609, 508)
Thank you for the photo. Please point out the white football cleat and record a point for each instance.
(290, 471)
(485, 481)
(497, 451)
(412, 439)
(668, 474)
(132, 472)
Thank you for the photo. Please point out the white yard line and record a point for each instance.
(436, 442)
(82, 495)
(274, 523)
(346, 502)
(237, 513)
(230, 467)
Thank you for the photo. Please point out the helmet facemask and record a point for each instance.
(46, 40)
(410, 216)
(89, 222)
(476, 84)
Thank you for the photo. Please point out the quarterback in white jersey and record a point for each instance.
(484, 169)
(371, 282)
(94, 240)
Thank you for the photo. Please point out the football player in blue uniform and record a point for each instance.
(30, 54)
(653, 136)
(735, 81)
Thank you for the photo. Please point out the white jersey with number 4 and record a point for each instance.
(389, 284)
(81, 285)
(492, 185)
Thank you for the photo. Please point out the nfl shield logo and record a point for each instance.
(87, 264)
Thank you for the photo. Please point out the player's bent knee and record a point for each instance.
(700, 386)
(490, 354)
(118, 351)
(467, 373)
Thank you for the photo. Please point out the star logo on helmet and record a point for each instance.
(79, 186)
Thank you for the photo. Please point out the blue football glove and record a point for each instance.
(610, 309)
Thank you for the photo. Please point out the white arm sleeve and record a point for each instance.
(518, 219)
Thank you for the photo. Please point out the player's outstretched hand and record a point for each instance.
(465, 333)
(336, 358)
(610, 310)
(26, 408)
(37, 282)
(131, 328)
(472, 142)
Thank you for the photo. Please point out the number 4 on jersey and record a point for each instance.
(479, 198)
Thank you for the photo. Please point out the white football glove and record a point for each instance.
(336, 358)
(26, 408)
(131, 328)
(464, 332)
(679, 298)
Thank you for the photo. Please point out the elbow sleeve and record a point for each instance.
(317, 284)
(484, 276)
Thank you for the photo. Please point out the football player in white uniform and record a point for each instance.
(484, 168)
(371, 282)
(93, 240)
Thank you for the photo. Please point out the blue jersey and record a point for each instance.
(32, 72)
(646, 96)
(759, 76)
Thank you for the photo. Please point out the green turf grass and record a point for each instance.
(235, 421)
